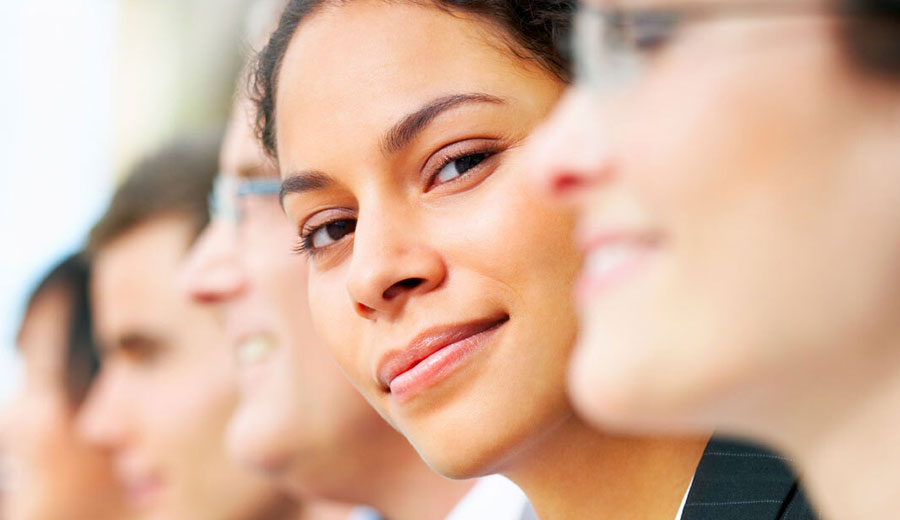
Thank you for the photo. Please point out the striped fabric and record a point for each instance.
(738, 481)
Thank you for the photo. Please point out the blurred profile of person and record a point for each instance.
(52, 473)
(166, 385)
(735, 168)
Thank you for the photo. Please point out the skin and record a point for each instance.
(166, 388)
(298, 418)
(772, 206)
(54, 475)
(423, 254)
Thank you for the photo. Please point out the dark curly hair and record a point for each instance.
(536, 30)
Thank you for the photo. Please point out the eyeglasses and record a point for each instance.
(228, 190)
(611, 44)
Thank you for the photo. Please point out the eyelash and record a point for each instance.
(303, 245)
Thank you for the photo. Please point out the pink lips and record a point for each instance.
(432, 355)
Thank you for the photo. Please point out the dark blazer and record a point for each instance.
(738, 481)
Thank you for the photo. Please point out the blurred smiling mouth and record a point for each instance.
(254, 349)
(433, 355)
(610, 258)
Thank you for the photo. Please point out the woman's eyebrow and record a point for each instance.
(304, 181)
(410, 126)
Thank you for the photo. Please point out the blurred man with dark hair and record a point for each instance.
(54, 475)
(166, 386)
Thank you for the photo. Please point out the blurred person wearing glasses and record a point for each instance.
(299, 419)
(735, 166)
(166, 386)
(53, 474)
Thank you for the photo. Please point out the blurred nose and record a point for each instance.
(391, 263)
(212, 272)
(102, 419)
(569, 152)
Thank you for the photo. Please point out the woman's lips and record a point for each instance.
(433, 355)
(611, 257)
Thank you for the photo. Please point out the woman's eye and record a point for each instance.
(459, 166)
(329, 233)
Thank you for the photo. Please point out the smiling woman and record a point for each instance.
(745, 273)
(439, 280)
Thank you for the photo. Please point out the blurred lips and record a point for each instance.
(433, 355)
(610, 257)
(143, 488)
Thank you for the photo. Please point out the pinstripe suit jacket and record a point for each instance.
(737, 481)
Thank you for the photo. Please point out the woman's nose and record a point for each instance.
(391, 263)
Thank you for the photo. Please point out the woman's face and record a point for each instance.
(739, 210)
(438, 278)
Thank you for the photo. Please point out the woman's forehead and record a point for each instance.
(376, 47)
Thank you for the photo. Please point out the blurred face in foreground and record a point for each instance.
(298, 418)
(53, 475)
(166, 388)
(739, 206)
(438, 278)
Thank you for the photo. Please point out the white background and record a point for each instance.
(55, 61)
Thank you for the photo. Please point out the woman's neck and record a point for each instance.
(848, 456)
(578, 472)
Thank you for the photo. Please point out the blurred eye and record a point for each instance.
(329, 233)
(459, 166)
(649, 32)
(138, 349)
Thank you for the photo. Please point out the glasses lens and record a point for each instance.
(223, 202)
(604, 57)
(263, 187)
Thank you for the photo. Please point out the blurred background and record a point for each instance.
(88, 88)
